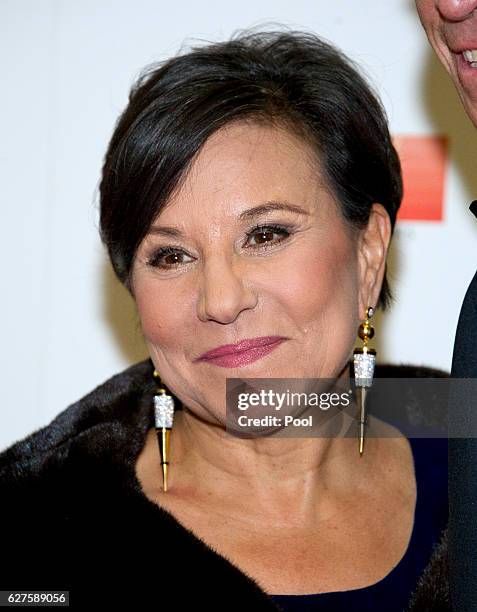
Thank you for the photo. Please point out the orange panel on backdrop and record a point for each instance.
(424, 163)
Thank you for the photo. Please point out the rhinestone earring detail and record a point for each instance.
(364, 359)
(164, 416)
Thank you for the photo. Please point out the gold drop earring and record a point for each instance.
(164, 416)
(364, 359)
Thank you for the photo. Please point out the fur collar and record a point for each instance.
(72, 496)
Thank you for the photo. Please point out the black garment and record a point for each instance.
(463, 464)
(74, 516)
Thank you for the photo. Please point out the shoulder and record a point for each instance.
(69, 478)
(107, 403)
(407, 370)
(412, 396)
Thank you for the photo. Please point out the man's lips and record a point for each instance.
(466, 67)
(459, 35)
(462, 49)
(459, 39)
(244, 345)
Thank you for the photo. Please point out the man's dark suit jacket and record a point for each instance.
(463, 464)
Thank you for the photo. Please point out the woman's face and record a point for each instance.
(305, 276)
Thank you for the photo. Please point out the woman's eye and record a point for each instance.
(166, 257)
(265, 235)
(171, 257)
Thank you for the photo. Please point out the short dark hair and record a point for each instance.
(292, 78)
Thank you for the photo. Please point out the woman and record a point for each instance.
(249, 193)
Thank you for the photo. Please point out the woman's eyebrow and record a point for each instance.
(165, 230)
(261, 209)
(250, 213)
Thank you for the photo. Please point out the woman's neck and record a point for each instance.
(283, 480)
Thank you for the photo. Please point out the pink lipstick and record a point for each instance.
(242, 353)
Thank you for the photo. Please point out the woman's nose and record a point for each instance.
(456, 10)
(224, 292)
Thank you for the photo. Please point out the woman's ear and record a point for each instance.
(373, 246)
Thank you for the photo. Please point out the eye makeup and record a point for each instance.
(156, 259)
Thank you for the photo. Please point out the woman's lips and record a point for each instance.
(237, 358)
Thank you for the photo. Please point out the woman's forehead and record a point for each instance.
(247, 214)
(244, 165)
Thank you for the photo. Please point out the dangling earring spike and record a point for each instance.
(164, 416)
(364, 362)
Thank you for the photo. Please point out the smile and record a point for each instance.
(242, 358)
(470, 56)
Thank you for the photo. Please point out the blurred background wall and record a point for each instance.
(66, 69)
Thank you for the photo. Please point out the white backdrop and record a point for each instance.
(67, 66)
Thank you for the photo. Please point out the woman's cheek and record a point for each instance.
(324, 277)
(158, 313)
(328, 288)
